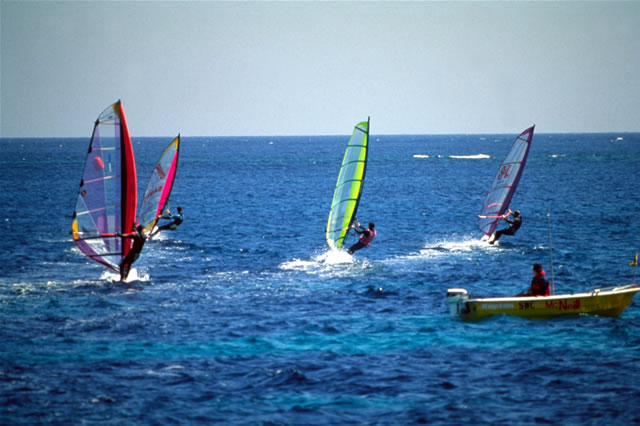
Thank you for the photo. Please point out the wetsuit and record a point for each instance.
(139, 238)
(514, 225)
(365, 239)
(176, 220)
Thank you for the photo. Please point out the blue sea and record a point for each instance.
(243, 316)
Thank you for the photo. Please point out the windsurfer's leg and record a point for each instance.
(495, 236)
(125, 265)
(507, 231)
(124, 272)
(160, 228)
(357, 246)
(500, 233)
(124, 268)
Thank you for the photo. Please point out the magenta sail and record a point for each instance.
(156, 196)
(107, 197)
(505, 183)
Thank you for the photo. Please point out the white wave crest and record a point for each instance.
(470, 157)
(321, 261)
(134, 275)
(447, 247)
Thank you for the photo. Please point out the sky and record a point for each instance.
(237, 68)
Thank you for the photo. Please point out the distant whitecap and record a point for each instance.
(470, 157)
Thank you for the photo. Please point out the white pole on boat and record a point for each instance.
(550, 251)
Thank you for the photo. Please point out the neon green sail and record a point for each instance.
(346, 196)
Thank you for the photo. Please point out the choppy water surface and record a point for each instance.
(243, 316)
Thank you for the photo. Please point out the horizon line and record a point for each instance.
(182, 135)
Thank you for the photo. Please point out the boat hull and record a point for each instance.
(606, 302)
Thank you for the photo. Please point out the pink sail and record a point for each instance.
(107, 197)
(156, 195)
(505, 183)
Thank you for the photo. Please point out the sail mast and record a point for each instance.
(553, 289)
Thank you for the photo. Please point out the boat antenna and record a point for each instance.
(550, 251)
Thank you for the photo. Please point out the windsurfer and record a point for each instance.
(368, 234)
(514, 225)
(139, 238)
(539, 284)
(176, 220)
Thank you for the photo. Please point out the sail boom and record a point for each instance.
(97, 237)
(104, 255)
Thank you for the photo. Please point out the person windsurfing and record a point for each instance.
(368, 235)
(139, 239)
(514, 225)
(175, 221)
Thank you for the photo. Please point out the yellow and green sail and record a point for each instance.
(346, 196)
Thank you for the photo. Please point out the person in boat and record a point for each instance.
(139, 239)
(539, 284)
(368, 234)
(514, 225)
(175, 221)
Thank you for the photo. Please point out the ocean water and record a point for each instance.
(243, 316)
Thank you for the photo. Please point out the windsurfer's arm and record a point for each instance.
(135, 234)
(506, 218)
(358, 229)
(169, 217)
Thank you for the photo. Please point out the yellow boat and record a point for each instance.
(605, 302)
